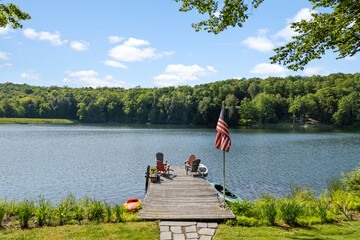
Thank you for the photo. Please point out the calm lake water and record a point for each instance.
(109, 162)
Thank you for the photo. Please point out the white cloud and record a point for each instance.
(135, 50)
(115, 64)
(89, 79)
(79, 45)
(5, 30)
(176, 74)
(211, 69)
(260, 43)
(287, 33)
(4, 56)
(269, 69)
(80, 74)
(30, 76)
(133, 42)
(350, 58)
(115, 39)
(168, 53)
(311, 71)
(5, 65)
(53, 38)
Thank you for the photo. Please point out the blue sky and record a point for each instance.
(148, 43)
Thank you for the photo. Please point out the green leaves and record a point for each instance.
(338, 30)
(11, 14)
(233, 13)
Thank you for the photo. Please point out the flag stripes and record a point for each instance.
(222, 140)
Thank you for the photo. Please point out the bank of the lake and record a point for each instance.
(36, 121)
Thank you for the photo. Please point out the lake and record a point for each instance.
(109, 162)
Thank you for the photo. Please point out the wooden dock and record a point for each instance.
(178, 196)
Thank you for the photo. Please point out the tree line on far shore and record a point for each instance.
(330, 100)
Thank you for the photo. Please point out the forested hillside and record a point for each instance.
(333, 99)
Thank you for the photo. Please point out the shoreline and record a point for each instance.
(37, 121)
(267, 126)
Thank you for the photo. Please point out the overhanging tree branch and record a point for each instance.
(11, 14)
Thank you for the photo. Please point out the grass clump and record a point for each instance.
(42, 211)
(290, 210)
(335, 184)
(25, 212)
(2, 212)
(269, 212)
(96, 211)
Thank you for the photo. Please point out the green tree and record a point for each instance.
(11, 14)
(232, 102)
(304, 106)
(233, 13)
(348, 112)
(247, 112)
(338, 28)
(265, 105)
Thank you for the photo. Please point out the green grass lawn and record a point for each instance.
(35, 121)
(150, 230)
(134, 230)
(342, 230)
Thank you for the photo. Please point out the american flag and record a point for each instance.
(222, 141)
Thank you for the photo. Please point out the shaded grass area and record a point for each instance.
(133, 230)
(341, 230)
(36, 121)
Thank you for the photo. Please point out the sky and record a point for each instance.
(147, 43)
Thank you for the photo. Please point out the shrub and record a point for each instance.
(290, 210)
(345, 199)
(352, 180)
(270, 212)
(322, 210)
(63, 210)
(108, 212)
(118, 210)
(96, 211)
(42, 211)
(302, 193)
(79, 213)
(2, 212)
(12, 207)
(334, 184)
(25, 213)
(243, 208)
(244, 221)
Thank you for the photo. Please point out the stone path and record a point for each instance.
(173, 230)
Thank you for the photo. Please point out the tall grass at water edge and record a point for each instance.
(301, 207)
(41, 212)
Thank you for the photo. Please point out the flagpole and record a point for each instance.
(224, 175)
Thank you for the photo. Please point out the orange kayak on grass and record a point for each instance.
(132, 204)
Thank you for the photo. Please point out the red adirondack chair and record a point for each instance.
(188, 163)
(161, 168)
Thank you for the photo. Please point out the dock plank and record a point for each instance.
(178, 196)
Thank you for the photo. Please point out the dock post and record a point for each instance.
(147, 178)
